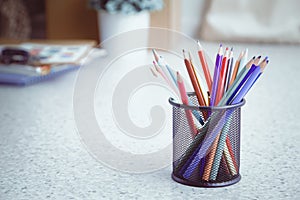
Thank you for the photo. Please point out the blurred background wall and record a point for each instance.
(273, 21)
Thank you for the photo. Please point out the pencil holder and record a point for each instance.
(206, 144)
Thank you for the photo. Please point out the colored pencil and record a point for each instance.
(211, 146)
(174, 79)
(227, 146)
(204, 66)
(249, 72)
(236, 68)
(172, 74)
(255, 75)
(229, 70)
(160, 71)
(236, 82)
(230, 165)
(167, 73)
(185, 101)
(209, 163)
(221, 145)
(243, 60)
(216, 76)
(218, 154)
(194, 81)
(200, 85)
(220, 122)
(222, 78)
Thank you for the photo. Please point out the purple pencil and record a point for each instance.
(216, 76)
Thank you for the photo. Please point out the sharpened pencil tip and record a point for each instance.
(226, 49)
(183, 52)
(179, 79)
(231, 49)
(199, 45)
(259, 57)
(221, 45)
(220, 51)
(267, 61)
(155, 55)
(266, 58)
(253, 57)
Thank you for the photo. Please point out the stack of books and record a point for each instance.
(28, 63)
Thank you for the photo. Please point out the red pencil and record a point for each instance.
(185, 101)
(222, 78)
(204, 66)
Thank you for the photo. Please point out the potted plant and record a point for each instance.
(116, 16)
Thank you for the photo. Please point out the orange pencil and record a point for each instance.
(236, 68)
(209, 163)
(193, 67)
(194, 81)
(204, 66)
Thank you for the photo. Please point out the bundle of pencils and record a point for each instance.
(231, 81)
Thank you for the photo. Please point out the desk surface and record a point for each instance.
(43, 156)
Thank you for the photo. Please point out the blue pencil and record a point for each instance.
(251, 70)
(250, 82)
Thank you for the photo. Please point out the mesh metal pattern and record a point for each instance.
(209, 157)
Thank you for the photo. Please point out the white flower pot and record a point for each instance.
(113, 24)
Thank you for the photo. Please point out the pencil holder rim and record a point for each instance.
(179, 105)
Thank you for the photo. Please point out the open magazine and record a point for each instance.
(49, 61)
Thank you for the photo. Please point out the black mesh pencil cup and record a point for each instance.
(206, 144)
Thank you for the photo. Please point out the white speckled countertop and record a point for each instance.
(42, 156)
